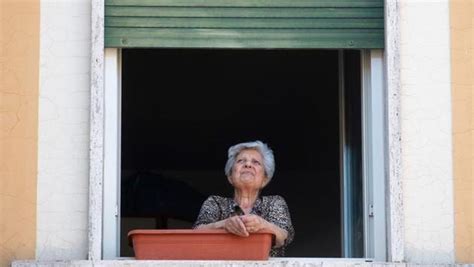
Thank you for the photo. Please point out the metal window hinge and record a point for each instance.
(371, 210)
(116, 210)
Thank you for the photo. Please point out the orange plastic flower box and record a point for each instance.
(199, 245)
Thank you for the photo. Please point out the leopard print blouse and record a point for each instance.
(271, 208)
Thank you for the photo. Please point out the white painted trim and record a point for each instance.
(273, 262)
(366, 149)
(373, 120)
(378, 155)
(96, 164)
(111, 211)
(394, 193)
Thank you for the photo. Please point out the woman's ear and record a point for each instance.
(265, 181)
(230, 180)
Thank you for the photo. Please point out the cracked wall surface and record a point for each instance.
(63, 165)
(19, 64)
(462, 83)
(426, 132)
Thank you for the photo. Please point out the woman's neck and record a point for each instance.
(245, 199)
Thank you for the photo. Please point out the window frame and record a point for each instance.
(392, 142)
(373, 154)
(112, 152)
(374, 157)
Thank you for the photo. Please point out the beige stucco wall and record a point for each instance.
(19, 65)
(462, 71)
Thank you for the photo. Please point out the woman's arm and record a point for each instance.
(214, 225)
(255, 223)
(280, 234)
(210, 218)
(232, 225)
(277, 220)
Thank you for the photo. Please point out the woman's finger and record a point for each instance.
(236, 226)
(249, 219)
(253, 223)
(241, 227)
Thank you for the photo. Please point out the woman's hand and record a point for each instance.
(254, 223)
(236, 226)
(246, 224)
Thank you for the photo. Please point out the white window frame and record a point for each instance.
(373, 154)
(374, 157)
(393, 187)
(112, 152)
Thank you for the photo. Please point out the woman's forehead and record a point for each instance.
(249, 152)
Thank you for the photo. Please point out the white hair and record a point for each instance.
(262, 148)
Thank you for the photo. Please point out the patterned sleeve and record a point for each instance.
(210, 212)
(279, 215)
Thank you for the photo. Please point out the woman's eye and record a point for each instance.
(256, 162)
(240, 160)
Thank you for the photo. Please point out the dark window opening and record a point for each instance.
(183, 108)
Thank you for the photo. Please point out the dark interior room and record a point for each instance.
(183, 108)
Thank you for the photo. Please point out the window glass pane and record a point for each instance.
(353, 184)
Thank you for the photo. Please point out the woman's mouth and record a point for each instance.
(247, 172)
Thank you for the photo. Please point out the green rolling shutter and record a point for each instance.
(244, 23)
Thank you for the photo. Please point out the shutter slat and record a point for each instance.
(271, 12)
(160, 22)
(339, 41)
(114, 32)
(271, 38)
(247, 3)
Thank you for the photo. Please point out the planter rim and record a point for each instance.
(185, 231)
(193, 232)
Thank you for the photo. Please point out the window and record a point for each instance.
(179, 110)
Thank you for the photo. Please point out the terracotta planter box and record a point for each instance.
(199, 245)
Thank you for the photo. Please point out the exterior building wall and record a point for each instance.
(63, 165)
(19, 63)
(54, 222)
(426, 131)
(462, 86)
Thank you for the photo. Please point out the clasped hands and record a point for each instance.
(245, 224)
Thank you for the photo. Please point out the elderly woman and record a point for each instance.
(249, 168)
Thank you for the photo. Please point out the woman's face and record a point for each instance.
(248, 171)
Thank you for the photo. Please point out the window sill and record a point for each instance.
(283, 262)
